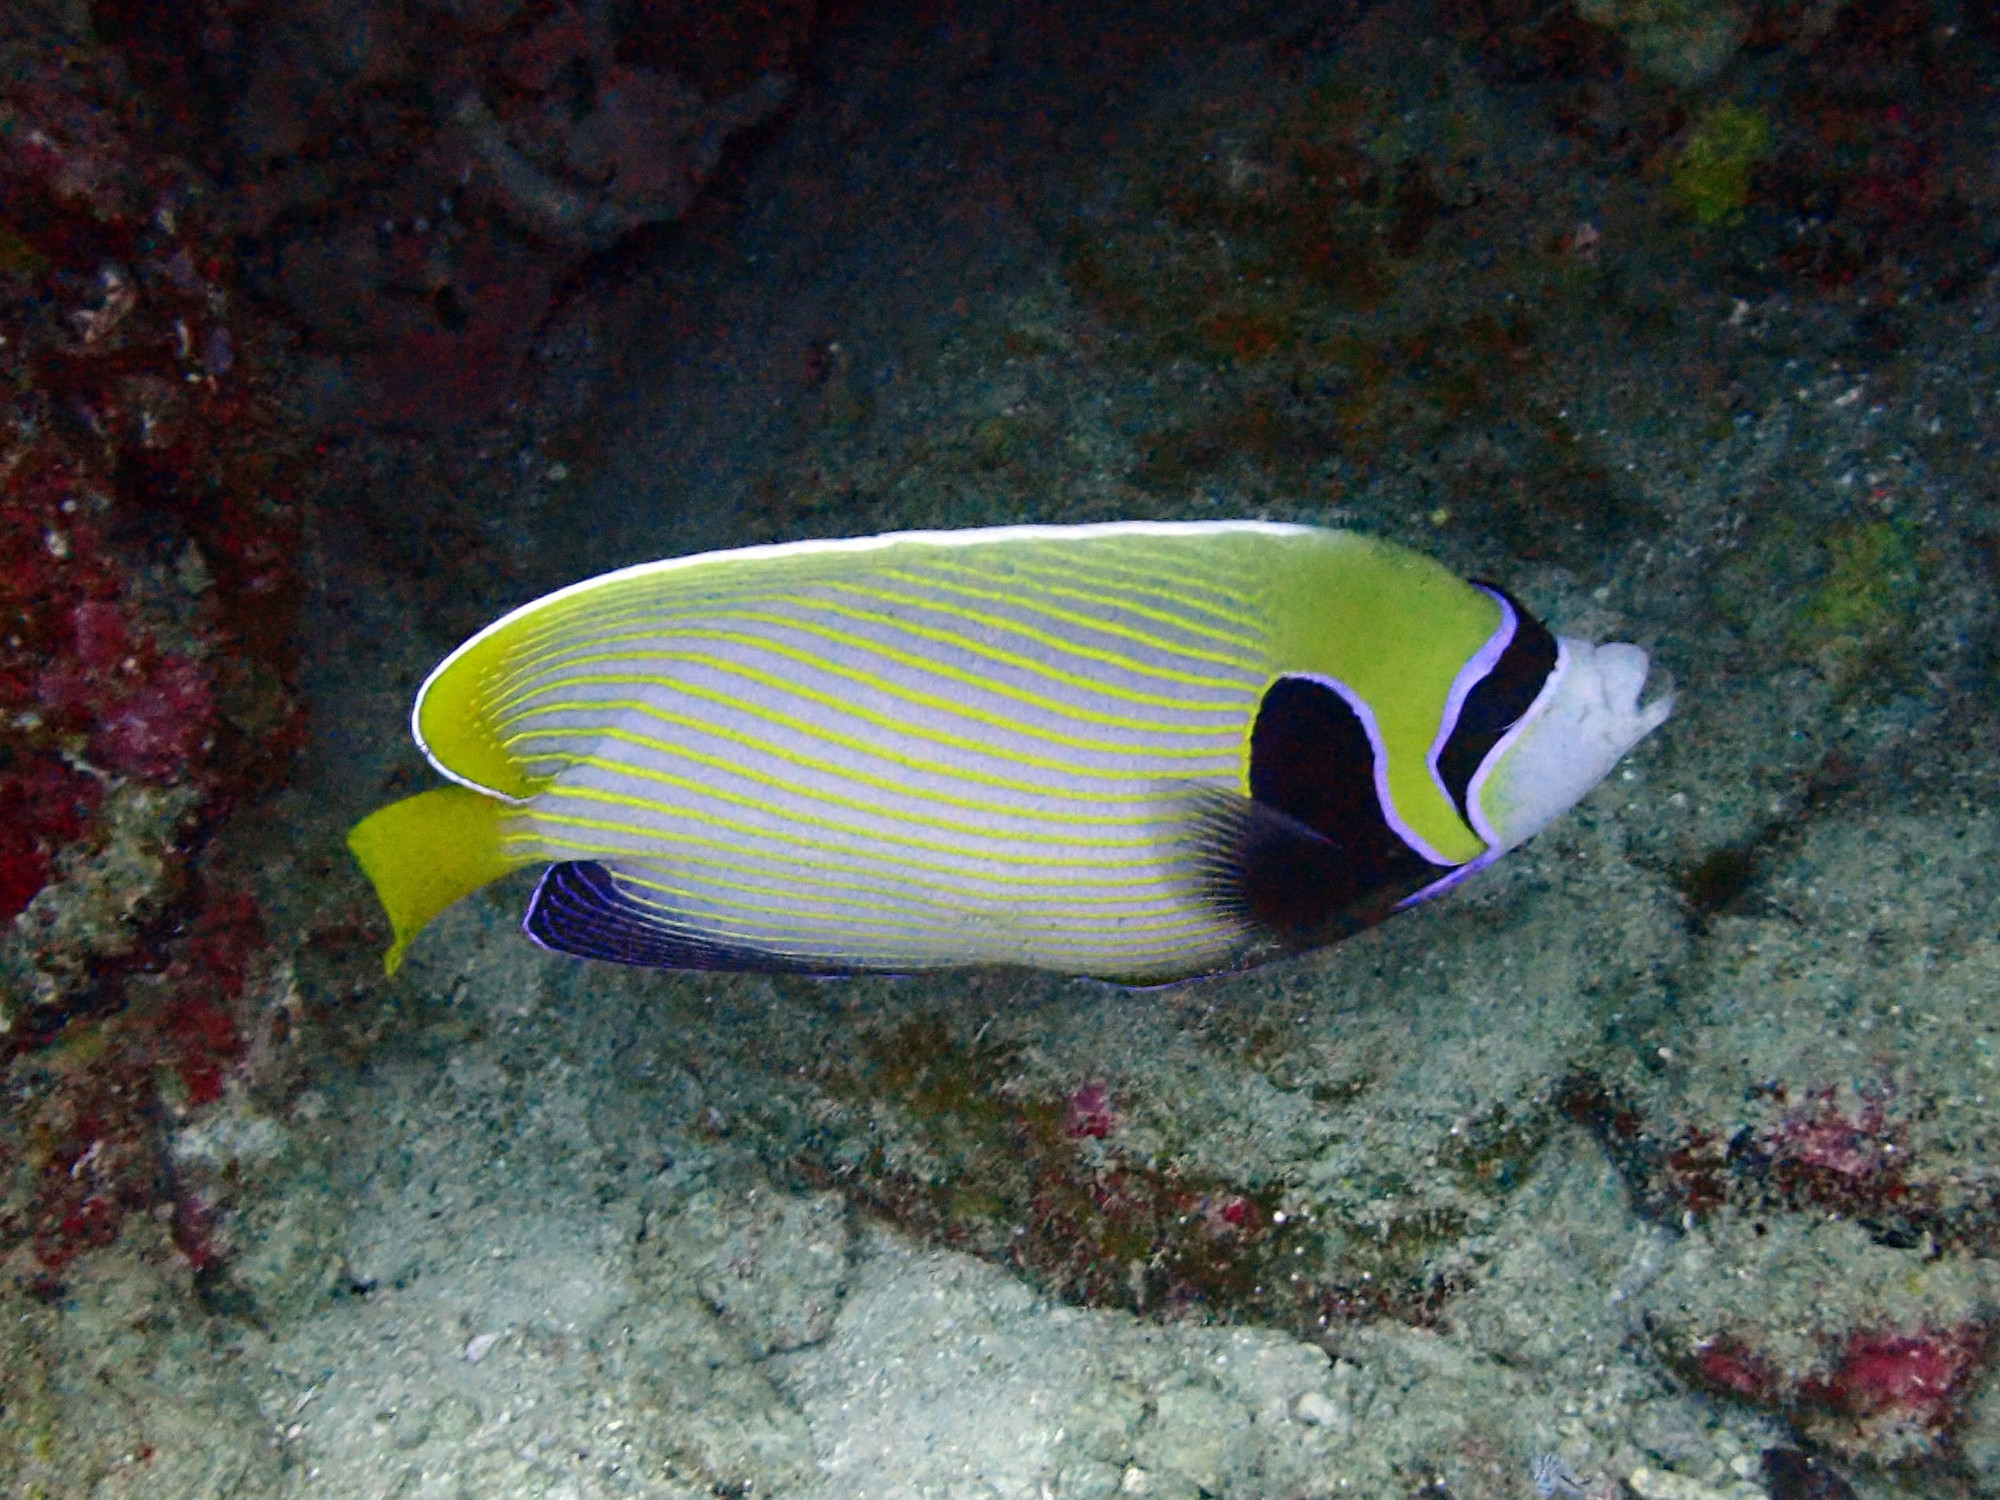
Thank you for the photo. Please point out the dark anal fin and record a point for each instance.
(580, 908)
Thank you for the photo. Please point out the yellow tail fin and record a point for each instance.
(425, 852)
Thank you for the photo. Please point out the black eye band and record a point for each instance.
(1496, 703)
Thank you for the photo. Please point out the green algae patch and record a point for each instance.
(1843, 598)
(1865, 604)
(1711, 177)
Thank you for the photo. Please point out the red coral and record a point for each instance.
(96, 1134)
(138, 433)
(160, 726)
(1232, 1214)
(51, 560)
(1889, 1394)
(86, 1225)
(199, 1029)
(101, 639)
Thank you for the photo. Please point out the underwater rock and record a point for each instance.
(1683, 42)
(774, 1267)
(1871, 1350)
(417, 180)
(120, 1390)
(99, 900)
(638, 157)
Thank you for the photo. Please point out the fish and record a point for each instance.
(1137, 751)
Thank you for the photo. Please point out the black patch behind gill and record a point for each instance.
(1309, 856)
(1496, 704)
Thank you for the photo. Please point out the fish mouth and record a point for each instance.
(1621, 670)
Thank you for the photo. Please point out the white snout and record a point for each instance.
(1587, 716)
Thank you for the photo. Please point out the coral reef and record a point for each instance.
(148, 553)
(1660, 1150)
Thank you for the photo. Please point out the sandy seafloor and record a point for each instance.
(1707, 1067)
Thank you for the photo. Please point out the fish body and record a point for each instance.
(1141, 750)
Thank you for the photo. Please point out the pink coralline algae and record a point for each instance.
(1894, 1392)
(1231, 1214)
(1871, 1387)
(1087, 1112)
(1912, 1373)
(206, 978)
(147, 712)
(1821, 1155)
(1726, 1365)
(1888, 1394)
(160, 727)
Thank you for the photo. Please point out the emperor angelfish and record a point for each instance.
(1141, 751)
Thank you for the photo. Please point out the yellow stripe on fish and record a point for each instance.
(1139, 750)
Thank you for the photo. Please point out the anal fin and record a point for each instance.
(581, 908)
